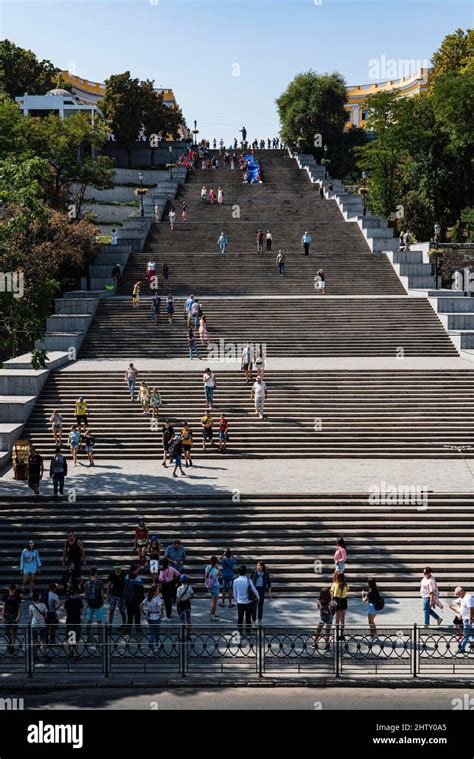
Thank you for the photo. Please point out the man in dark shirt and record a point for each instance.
(115, 586)
(35, 470)
(11, 615)
(168, 435)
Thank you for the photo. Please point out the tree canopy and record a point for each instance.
(312, 114)
(21, 71)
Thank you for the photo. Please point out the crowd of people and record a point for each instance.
(158, 581)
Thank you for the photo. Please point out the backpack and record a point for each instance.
(132, 591)
(326, 614)
(210, 581)
(58, 464)
(379, 603)
(93, 595)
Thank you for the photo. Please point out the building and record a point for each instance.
(56, 101)
(91, 92)
(357, 113)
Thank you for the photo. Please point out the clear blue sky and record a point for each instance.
(193, 45)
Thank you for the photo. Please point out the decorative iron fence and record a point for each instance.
(222, 650)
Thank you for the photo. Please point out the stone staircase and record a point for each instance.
(295, 536)
(288, 327)
(315, 414)
(283, 204)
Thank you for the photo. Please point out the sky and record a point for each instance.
(227, 60)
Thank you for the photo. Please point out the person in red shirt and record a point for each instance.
(223, 433)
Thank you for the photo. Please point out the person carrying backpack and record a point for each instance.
(375, 603)
(133, 595)
(184, 595)
(94, 596)
(326, 615)
(58, 471)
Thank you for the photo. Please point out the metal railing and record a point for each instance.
(223, 650)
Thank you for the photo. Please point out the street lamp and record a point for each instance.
(140, 177)
(437, 232)
(364, 191)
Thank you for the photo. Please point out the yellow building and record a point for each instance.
(407, 86)
(90, 93)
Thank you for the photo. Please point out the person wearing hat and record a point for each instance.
(184, 595)
(115, 586)
(178, 454)
(465, 610)
(30, 565)
(80, 411)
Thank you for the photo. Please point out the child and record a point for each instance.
(144, 397)
(155, 402)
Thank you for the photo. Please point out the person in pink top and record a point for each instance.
(168, 578)
(340, 555)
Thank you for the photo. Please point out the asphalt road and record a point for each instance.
(284, 698)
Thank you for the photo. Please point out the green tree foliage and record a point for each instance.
(421, 158)
(40, 243)
(64, 144)
(312, 114)
(131, 105)
(21, 71)
(456, 53)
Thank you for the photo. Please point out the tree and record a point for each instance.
(159, 118)
(456, 53)
(21, 71)
(380, 157)
(132, 105)
(312, 112)
(40, 246)
(63, 143)
(122, 106)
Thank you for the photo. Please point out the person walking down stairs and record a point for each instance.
(136, 295)
(222, 242)
(130, 378)
(259, 238)
(305, 241)
(58, 471)
(220, 195)
(280, 262)
(247, 361)
(172, 218)
(269, 239)
(259, 395)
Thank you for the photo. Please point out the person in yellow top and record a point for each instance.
(206, 424)
(339, 593)
(187, 441)
(80, 410)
